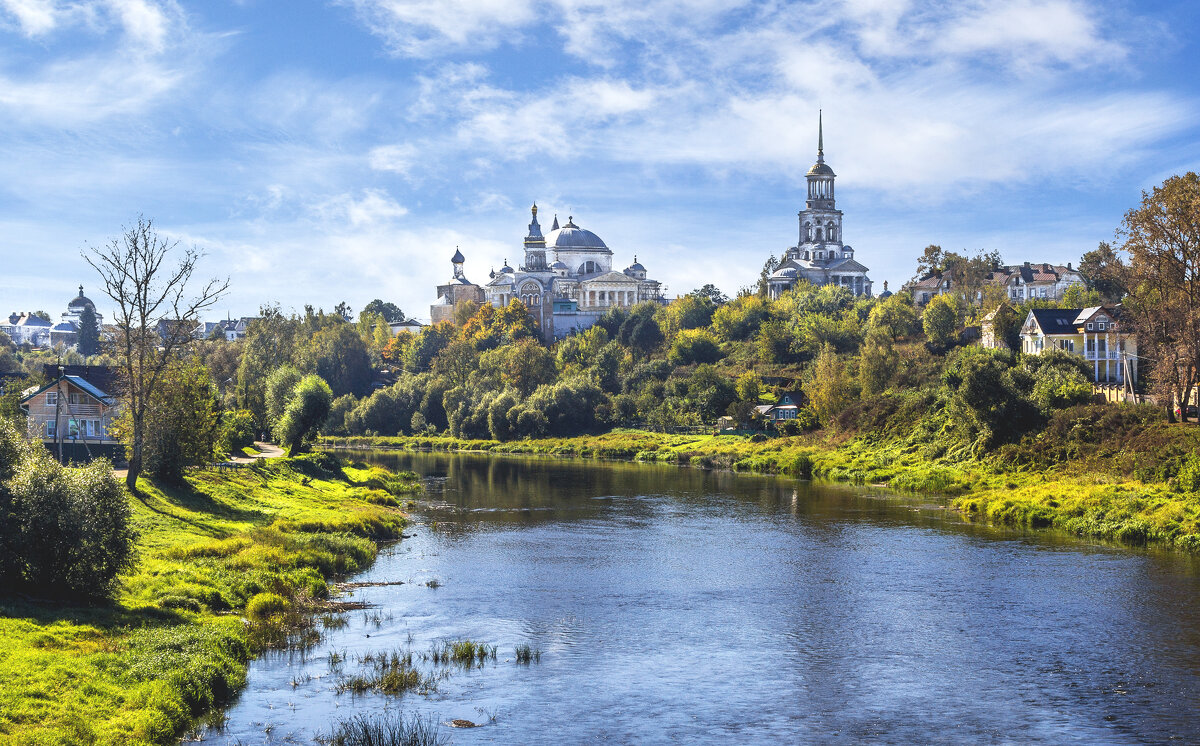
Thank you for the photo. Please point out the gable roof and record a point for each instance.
(78, 383)
(1055, 320)
(849, 265)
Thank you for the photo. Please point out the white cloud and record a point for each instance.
(374, 207)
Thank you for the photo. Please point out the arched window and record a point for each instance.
(808, 231)
(588, 267)
(831, 231)
(818, 233)
(806, 255)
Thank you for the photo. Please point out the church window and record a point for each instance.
(818, 233)
(806, 256)
(808, 231)
(820, 255)
(830, 231)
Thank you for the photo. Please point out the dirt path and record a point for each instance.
(266, 450)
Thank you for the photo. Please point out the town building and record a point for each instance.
(459, 288)
(231, 329)
(73, 414)
(26, 328)
(1098, 334)
(820, 257)
(1020, 282)
(786, 407)
(566, 281)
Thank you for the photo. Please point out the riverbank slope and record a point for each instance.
(228, 563)
(1113, 473)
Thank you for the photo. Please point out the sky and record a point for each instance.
(321, 152)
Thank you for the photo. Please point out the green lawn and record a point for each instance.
(173, 643)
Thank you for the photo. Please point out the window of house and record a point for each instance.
(1091, 345)
(1100, 326)
(93, 429)
(75, 398)
(51, 429)
(72, 428)
(1089, 326)
(52, 398)
(1070, 345)
(1102, 345)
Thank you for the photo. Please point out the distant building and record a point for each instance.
(72, 415)
(459, 288)
(1021, 282)
(820, 257)
(786, 407)
(231, 329)
(1098, 334)
(408, 325)
(25, 328)
(566, 281)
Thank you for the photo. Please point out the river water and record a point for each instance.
(685, 606)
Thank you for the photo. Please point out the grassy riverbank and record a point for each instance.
(227, 563)
(1110, 473)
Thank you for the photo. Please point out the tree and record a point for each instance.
(768, 268)
(271, 342)
(146, 292)
(1105, 272)
(343, 309)
(941, 321)
(280, 385)
(390, 312)
(710, 294)
(305, 413)
(895, 316)
(877, 362)
(182, 424)
(1162, 239)
(339, 356)
(88, 342)
(829, 385)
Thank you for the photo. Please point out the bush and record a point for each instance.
(265, 605)
(237, 430)
(63, 530)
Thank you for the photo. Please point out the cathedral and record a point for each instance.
(566, 281)
(820, 257)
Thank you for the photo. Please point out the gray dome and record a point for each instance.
(559, 265)
(80, 301)
(784, 273)
(821, 169)
(571, 236)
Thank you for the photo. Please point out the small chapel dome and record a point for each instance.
(784, 273)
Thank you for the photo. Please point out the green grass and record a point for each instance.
(173, 644)
(1099, 478)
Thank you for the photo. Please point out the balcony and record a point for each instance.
(1102, 355)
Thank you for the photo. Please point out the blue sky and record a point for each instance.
(322, 152)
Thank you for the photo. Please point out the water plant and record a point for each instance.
(526, 653)
(384, 730)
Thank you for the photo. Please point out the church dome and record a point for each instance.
(784, 273)
(821, 169)
(571, 236)
(559, 265)
(80, 301)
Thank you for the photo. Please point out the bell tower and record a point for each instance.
(535, 246)
(820, 220)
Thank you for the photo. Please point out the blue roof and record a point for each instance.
(1056, 320)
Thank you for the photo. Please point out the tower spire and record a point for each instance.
(820, 138)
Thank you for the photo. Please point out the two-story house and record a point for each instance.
(1097, 334)
(73, 417)
(785, 407)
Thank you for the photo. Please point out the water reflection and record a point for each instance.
(679, 605)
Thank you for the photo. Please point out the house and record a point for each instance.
(26, 328)
(785, 407)
(73, 416)
(408, 325)
(992, 327)
(1098, 334)
(231, 329)
(1020, 282)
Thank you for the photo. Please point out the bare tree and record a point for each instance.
(155, 316)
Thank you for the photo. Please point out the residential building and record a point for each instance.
(408, 325)
(786, 407)
(1021, 282)
(72, 415)
(231, 329)
(820, 257)
(25, 328)
(1098, 334)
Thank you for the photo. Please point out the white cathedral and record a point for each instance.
(566, 291)
(820, 257)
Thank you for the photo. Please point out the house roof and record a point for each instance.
(1055, 320)
(79, 383)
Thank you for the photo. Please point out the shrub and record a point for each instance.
(63, 530)
(264, 605)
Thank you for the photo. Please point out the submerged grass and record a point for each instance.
(385, 730)
(260, 543)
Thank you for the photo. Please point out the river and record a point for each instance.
(676, 605)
